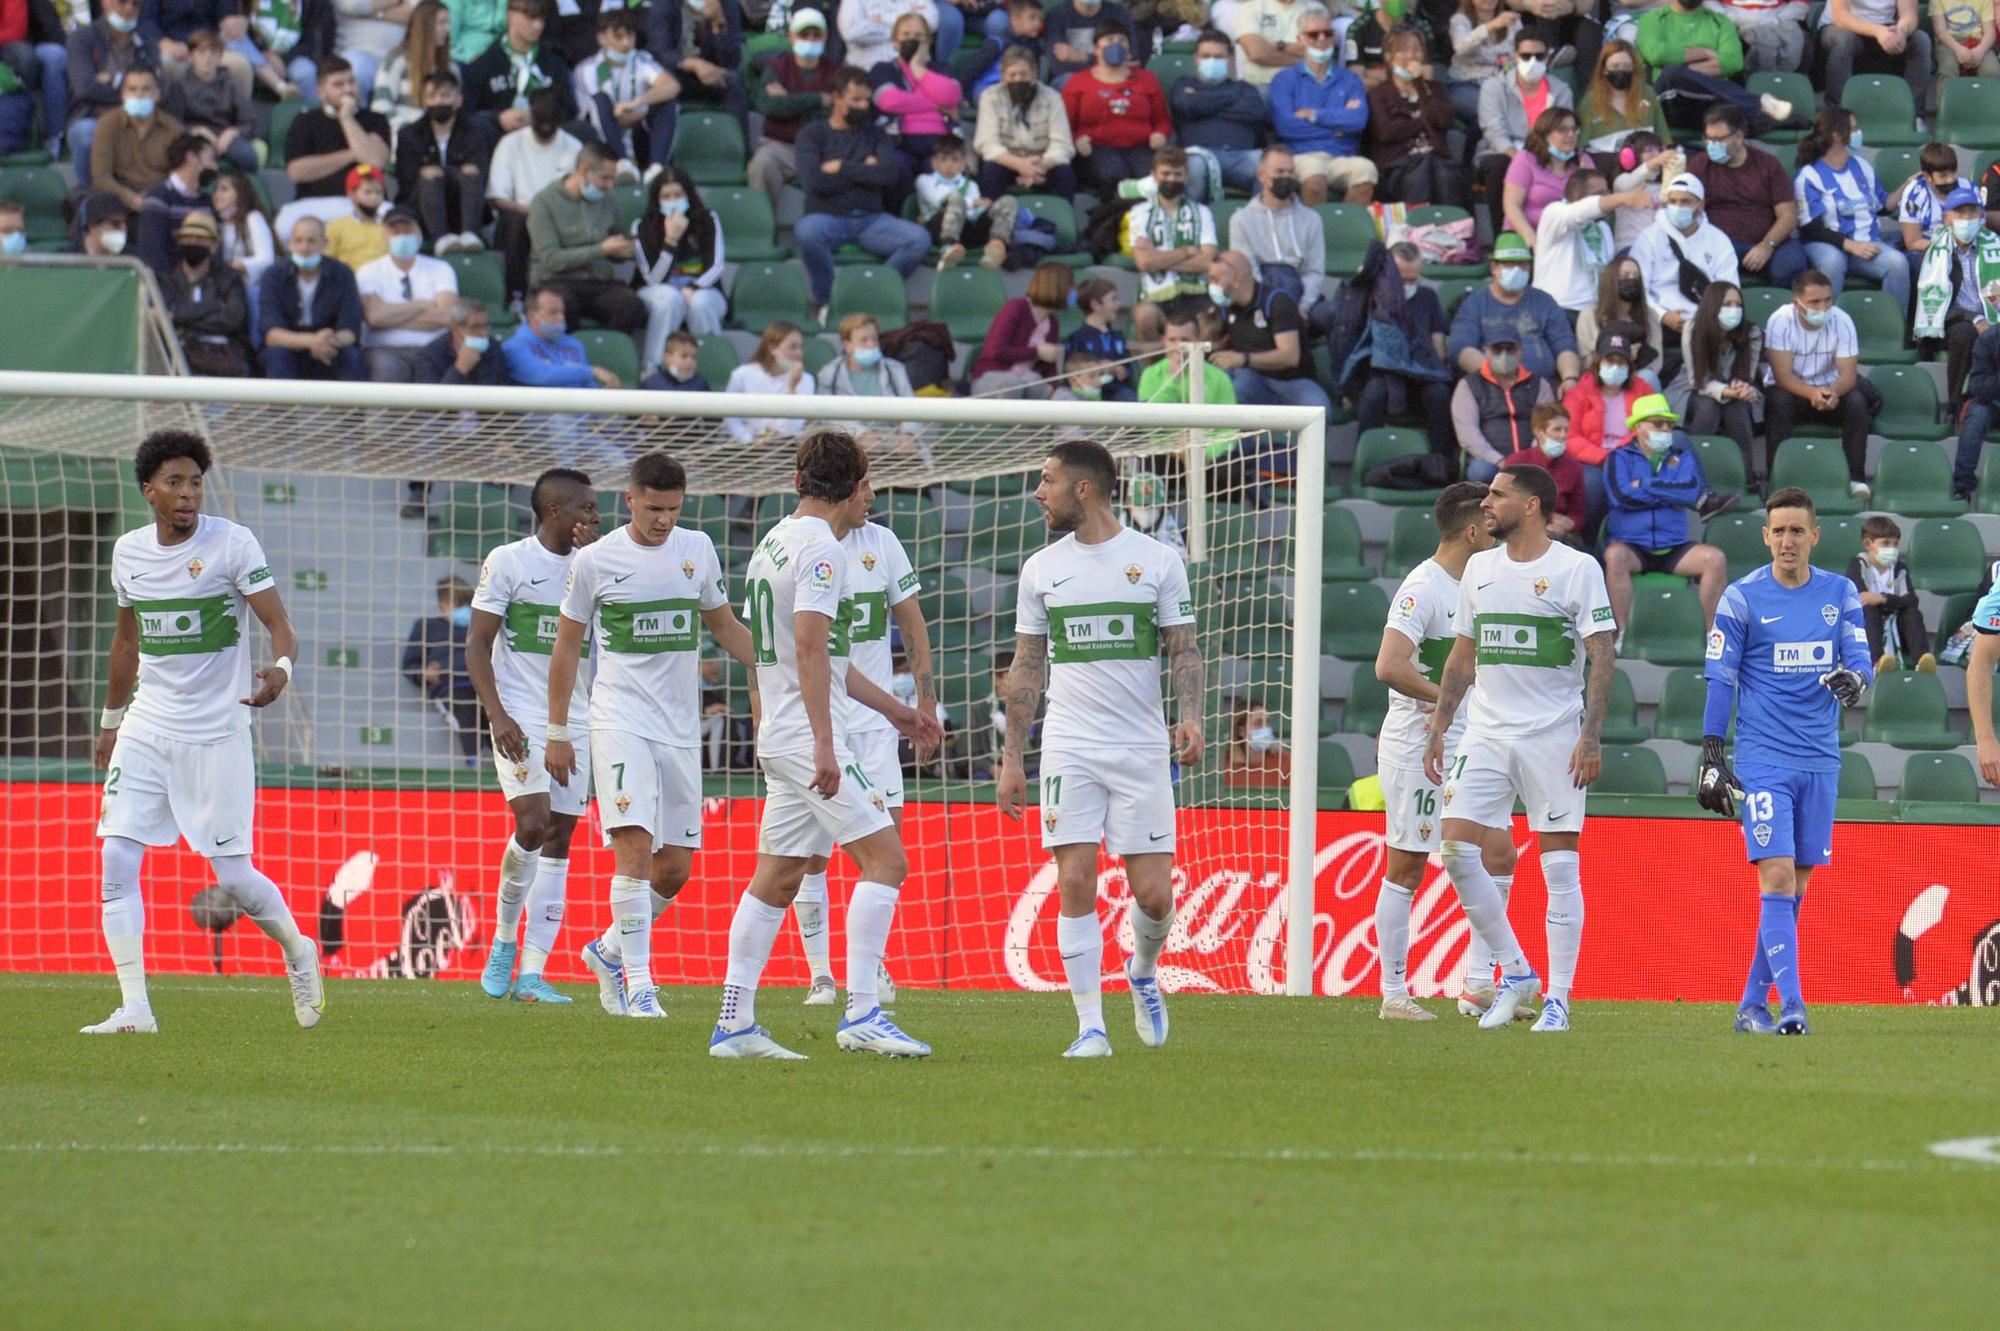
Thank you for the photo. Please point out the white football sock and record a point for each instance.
(1483, 905)
(607, 942)
(1080, 939)
(1392, 937)
(125, 920)
(1563, 873)
(870, 912)
(546, 901)
(632, 917)
(1149, 939)
(517, 871)
(258, 897)
(810, 908)
(751, 934)
(1478, 956)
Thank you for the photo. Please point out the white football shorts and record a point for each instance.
(159, 790)
(644, 783)
(1121, 797)
(1487, 773)
(799, 823)
(531, 776)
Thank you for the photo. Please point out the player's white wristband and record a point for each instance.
(111, 719)
(284, 663)
(558, 734)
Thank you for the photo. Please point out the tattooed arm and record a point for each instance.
(1600, 663)
(1023, 696)
(1190, 687)
(1459, 670)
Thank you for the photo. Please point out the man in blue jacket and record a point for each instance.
(464, 352)
(1320, 112)
(310, 310)
(1652, 484)
(1509, 309)
(542, 354)
(1217, 111)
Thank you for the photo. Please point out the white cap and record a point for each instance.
(1686, 181)
(808, 18)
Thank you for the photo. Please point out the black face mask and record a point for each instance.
(908, 48)
(1022, 93)
(1619, 79)
(860, 117)
(194, 256)
(546, 129)
(1629, 288)
(1285, 187)
(1171, 189)
(441, 115)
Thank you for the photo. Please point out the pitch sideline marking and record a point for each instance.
(1979, 1150)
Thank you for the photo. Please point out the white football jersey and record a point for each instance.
(1422, 611)
(798, 566)
(191, 600)
(1527, 622)
(643, 605)
(879, 577)
(523, 583)
(1102, 608)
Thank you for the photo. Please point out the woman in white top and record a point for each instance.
(247, 243)
(677, 263)
(778, 366)
(1482, 44)
(861, 370)
(426, 49)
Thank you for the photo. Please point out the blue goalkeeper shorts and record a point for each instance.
(1788, 813)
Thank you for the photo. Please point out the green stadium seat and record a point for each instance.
(1958, 608)
(1004, 533)
(1881, 326)
(771, 510)
(612, 351)
(467, 520)
(1907, 709)
(1969, 113)
(1787, 86)
(967, 300)
(715, 358)
(1740, 537)
(964, 682)
(1367, 702)
(707, 514)
(1938, 778)
(282, 116)
(1630, 771)
(1909, 400)
(945, 598)
(1818, 467)
(749, 227)
(1336, 768)
(1839, 539)
(1721, 463)
(1350, 230)
(1058, 212)
(1412, 540)
(1442, 214)
(1666, 627)
(1894, 167)
(1223, 210)
(1857, 776)
(1914, 479)
(1946, 556)
(1170, 68)
(1351, 619)
(918, 525)
(1760, 303)
(765, 293)
(630, 201)
(709, 147)
(1452, 292)
(1682, 703)
(1340, 547)
(1378, 446)
(40, 191)
(481, 277)
(1884, 107)
(819, 352)
(868, 289)
(1621, 720)
(1986, 493)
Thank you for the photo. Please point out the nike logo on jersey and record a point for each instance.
(1060, 581)
(1769, 619)
(1484, 585)
(621, 577)
(536, 582)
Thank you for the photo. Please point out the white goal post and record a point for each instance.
(396, 434)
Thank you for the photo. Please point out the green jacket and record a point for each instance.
(475, 26)
(1666, 33)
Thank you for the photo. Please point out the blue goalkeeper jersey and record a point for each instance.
(1986, 615)
(1771, 643)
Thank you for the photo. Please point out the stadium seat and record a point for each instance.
(1004, 533)
(467, 520)
(1170, 68)
(1881, 326)
(1893, 168)
(918, 525)
(1236, 544)
(964, 682)
(818, 352)
(1630, 771)
(1740, 537)
(1452, 292)
(748, 225)
(1055, 210)
(1969, 113)
(1367, 702)
(1412, 540)
(1818, 467)
(767, 292)
(1223, 210)
(1884, 107)
(1986, 494)
(1442, 214)
(630, 201)
(1666, 626)
(1787, 86)
(1621, 720)
(1938, 778)
(1340, 547)
(945, 599)
(1946, 556)
(967, 300)
(716, 358)
(1907, 709)
(481, 277)
(1857, 776)
(1336, 770)
(1378, 446)
(40, 191)
(1351, 619)
(709, 147)
(1914, 480)
(868, 289)
(1350, 230)
(282, 116)
(1721, 463)
(1909, 399)
(613, 351)
(1951, 617)
(1837, 533)
(1682, 703)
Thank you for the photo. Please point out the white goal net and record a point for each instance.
(378, 809)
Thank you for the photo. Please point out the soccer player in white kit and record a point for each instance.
(515, 614)
(816, 795)
(642, 594)
(883, 586)
(177, 756)
(1415, 644)
(1524, 611)
(1097, 609)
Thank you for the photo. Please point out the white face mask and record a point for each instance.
(112, 241)
(1554, 448)
(1263, 739)
(1885, 555)
(1532, 70)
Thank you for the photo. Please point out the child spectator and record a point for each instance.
(359, 238)
(624, 95)
(677, 372)
(207, 102)
(1889, 610)
(1084, 378)
(1920, 205)
(1024, 29)
(951, 208)
(1102, 307)
(1550, 451)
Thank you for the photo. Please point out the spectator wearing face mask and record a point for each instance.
(1320, 112)
(106, 224)
(1722, 359)
(1653, 486)
(777, 367)
(406, 299)
(434, 662)
(465, 352)
(1117, 113)
(1982, 408)
(310, 311)
(1508, 309)
(861, 370)
(1814, 352)
(542, 354)
(1022, 133)
(794, 89)
(1550, 451)
(1600, 402)
(1215, 110)
(1493, 408)
(1511, 101)
(1958, 289)
(1682, 252)
(678, 372)
(1889, 610)
(1573, 243)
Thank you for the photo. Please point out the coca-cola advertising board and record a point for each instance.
(400, 883)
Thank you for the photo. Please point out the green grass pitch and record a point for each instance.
(430, 1158)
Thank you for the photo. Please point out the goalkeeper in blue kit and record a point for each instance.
(1789, 650)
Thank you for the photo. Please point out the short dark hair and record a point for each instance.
(595, 154)
(657, 471)
(1529, 32)
(1171, 154)
(441, 78)
(681, 337)
(1024, 6)
(163, 446)
(612, 20)
(1537, 482)
(1180, 312)
(1212, 36)
(1729, 117)
(553, 476)
(1811, 277)
(535, 294)
(1880, 527)
(1457, 504)
(147, 70)
(1938, 157)
(1108, 27)
(1088, 460)
(545, 104)
(1791, 497)
(183, 147)
(533, 8)
(948, 143)
(333, 64)
(830, 464)
(847, 76)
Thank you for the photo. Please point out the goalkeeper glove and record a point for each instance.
(1846, 685)
(1715, 786)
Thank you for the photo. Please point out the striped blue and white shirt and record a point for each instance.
(1845, 200)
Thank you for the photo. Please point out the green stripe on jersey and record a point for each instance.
(646, 628)
(187, 627)
(531, 628)
(1431, 656)
(1524, 640)
(1104, 631)
(867, 616)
